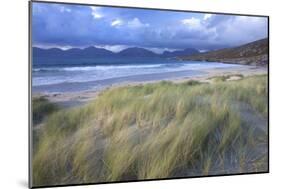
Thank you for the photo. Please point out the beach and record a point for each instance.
(73, 94)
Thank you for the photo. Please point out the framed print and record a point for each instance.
(121, 94)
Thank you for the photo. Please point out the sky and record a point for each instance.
(67, 26)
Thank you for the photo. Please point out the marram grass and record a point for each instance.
(156, 131)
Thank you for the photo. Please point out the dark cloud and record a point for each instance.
(69, 25)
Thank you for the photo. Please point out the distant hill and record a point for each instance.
(185, 52)
(254, 53)
(53, 52)
(137, 52)
(71, 53)
(93, 52)
(96, 52)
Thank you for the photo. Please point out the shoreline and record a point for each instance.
(78, 98)
(249, 61)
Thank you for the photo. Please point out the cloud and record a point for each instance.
(95, 13)
(161, 50)
(193, 23)
(55, 46)
(207, 16)
(113, 48)
(81, 26)
(63, 9)
(116, 23)
(236, 30)
(196, 28)
(136, 23)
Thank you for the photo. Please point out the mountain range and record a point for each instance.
(94, 52)
(254, 53)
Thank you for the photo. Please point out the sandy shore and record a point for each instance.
(72, 99)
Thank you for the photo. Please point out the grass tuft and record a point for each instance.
(41, 108)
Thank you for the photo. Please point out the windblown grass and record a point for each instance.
(157, 131)
(225, 77)
(41, 108)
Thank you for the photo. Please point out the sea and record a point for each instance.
(61, 75)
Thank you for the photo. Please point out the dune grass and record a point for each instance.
(41, 108)
(157, 131)
(225, 77)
